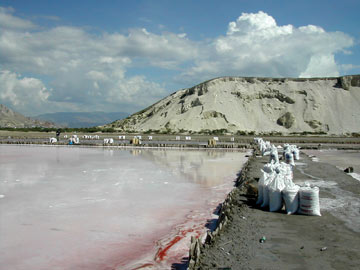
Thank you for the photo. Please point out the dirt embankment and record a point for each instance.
(292, 241)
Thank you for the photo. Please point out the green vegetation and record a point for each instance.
(309, 133)
(245, 133)
(221, 131)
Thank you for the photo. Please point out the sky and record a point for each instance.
(122, 56)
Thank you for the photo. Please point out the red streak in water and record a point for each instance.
(143, 266)
(162, 251)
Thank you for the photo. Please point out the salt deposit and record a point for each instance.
(342, 203)
(339, 158)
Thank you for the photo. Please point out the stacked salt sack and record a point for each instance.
(276, 177)
(268, 174)
(267, 148)
(276, 184)
(283, 180)
(309, 200)
(264, 146)
(290, 196)
(290, 191)
(108, 141)
(257, 140)
(274, 155)
(291, 153)
(74, 139)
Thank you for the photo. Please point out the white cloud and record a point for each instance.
(320, 65)
(8, 21)
(86, 72)
(18, 91)
(255, 45)
(259, 24)
(92, 72)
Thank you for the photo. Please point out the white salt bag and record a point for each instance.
(275, 188)
(309, 201)
(267, 181)
(296, 153)
(291, 198)
(274, 156)
(262, 147)
(269, 167)
(289, 158)
(266, 200)
(261, 187)
(288, 175)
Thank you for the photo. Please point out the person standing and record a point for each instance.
(58, 134)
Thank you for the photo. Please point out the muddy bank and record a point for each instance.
(292, 241)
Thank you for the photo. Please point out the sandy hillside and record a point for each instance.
(330, 105)
(12, 119)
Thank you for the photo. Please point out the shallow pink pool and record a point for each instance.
(95, 208)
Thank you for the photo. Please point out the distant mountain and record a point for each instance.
(12, 119)
(82, 119)
(237, 105)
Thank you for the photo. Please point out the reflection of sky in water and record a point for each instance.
(92, 208)
(207, 168)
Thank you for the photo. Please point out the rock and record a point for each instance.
(349, 170)
(314, 123)
(346, 82)
(209, 237)
(287, 120)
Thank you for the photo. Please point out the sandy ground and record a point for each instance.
(292, 241)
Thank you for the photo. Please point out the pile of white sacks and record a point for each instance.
(74, 139)
(108, 141)
(265, 146)
(276, 187)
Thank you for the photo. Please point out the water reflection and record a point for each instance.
(206, 168)
(102, 198)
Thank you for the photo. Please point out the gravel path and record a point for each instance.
(292, 241)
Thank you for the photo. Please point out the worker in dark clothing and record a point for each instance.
(58, 134)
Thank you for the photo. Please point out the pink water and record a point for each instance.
(95, 208)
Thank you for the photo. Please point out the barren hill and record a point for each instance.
(237, 104)
(12, 119)
(82, 119)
